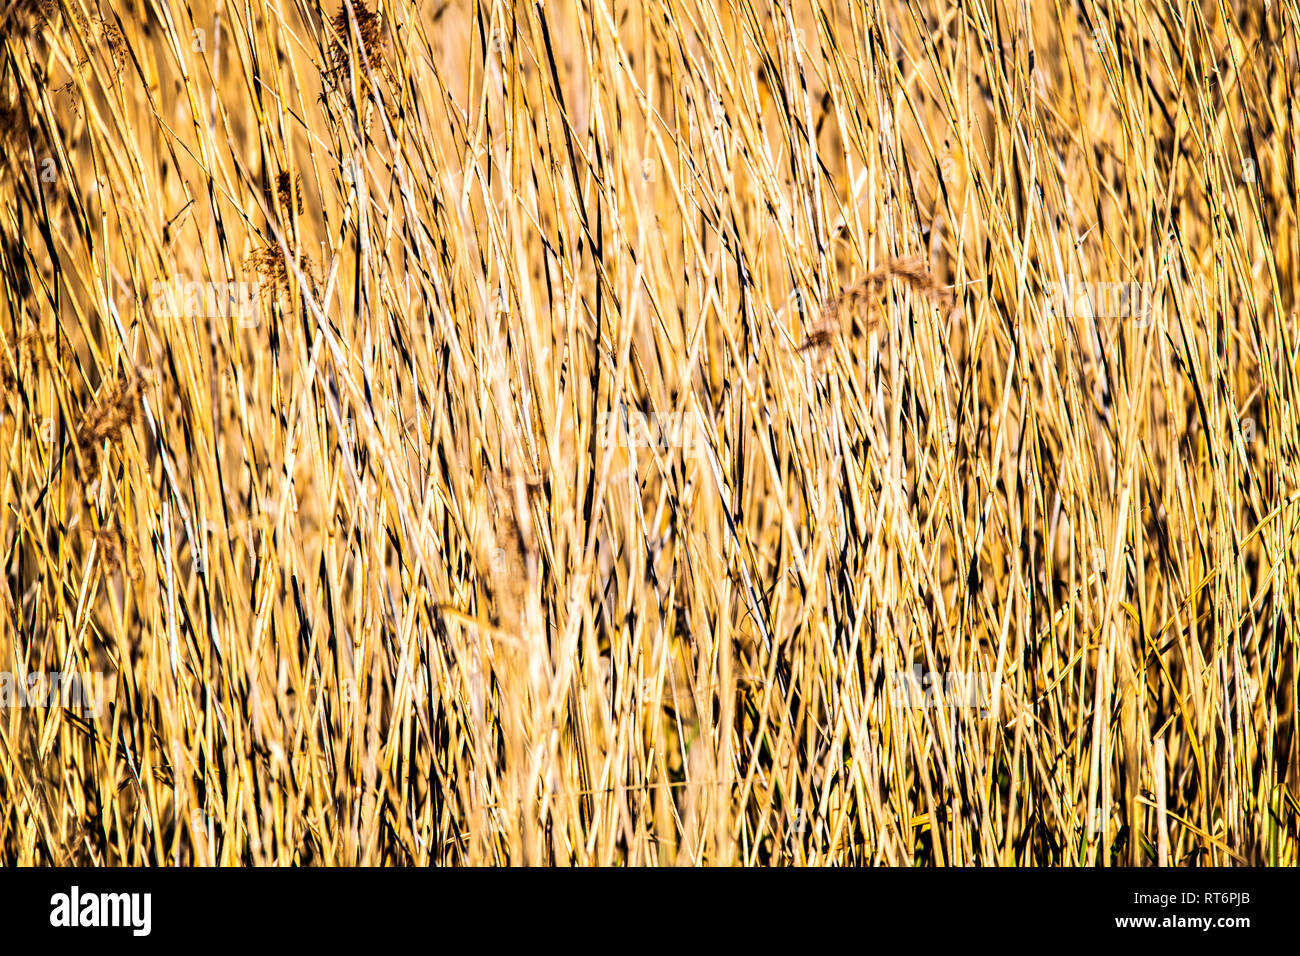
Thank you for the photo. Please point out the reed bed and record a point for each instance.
(649, 433)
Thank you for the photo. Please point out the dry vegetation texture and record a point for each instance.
(372, 579)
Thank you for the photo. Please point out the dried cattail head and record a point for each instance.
(98, 29)
(107, 538)
(284, 194)
(31, 348)
(912, 271)
(268, 263)
(25, 347)
(860, 300)
(116, 408)
(369, 52)
(271, 267)
(112, 37)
